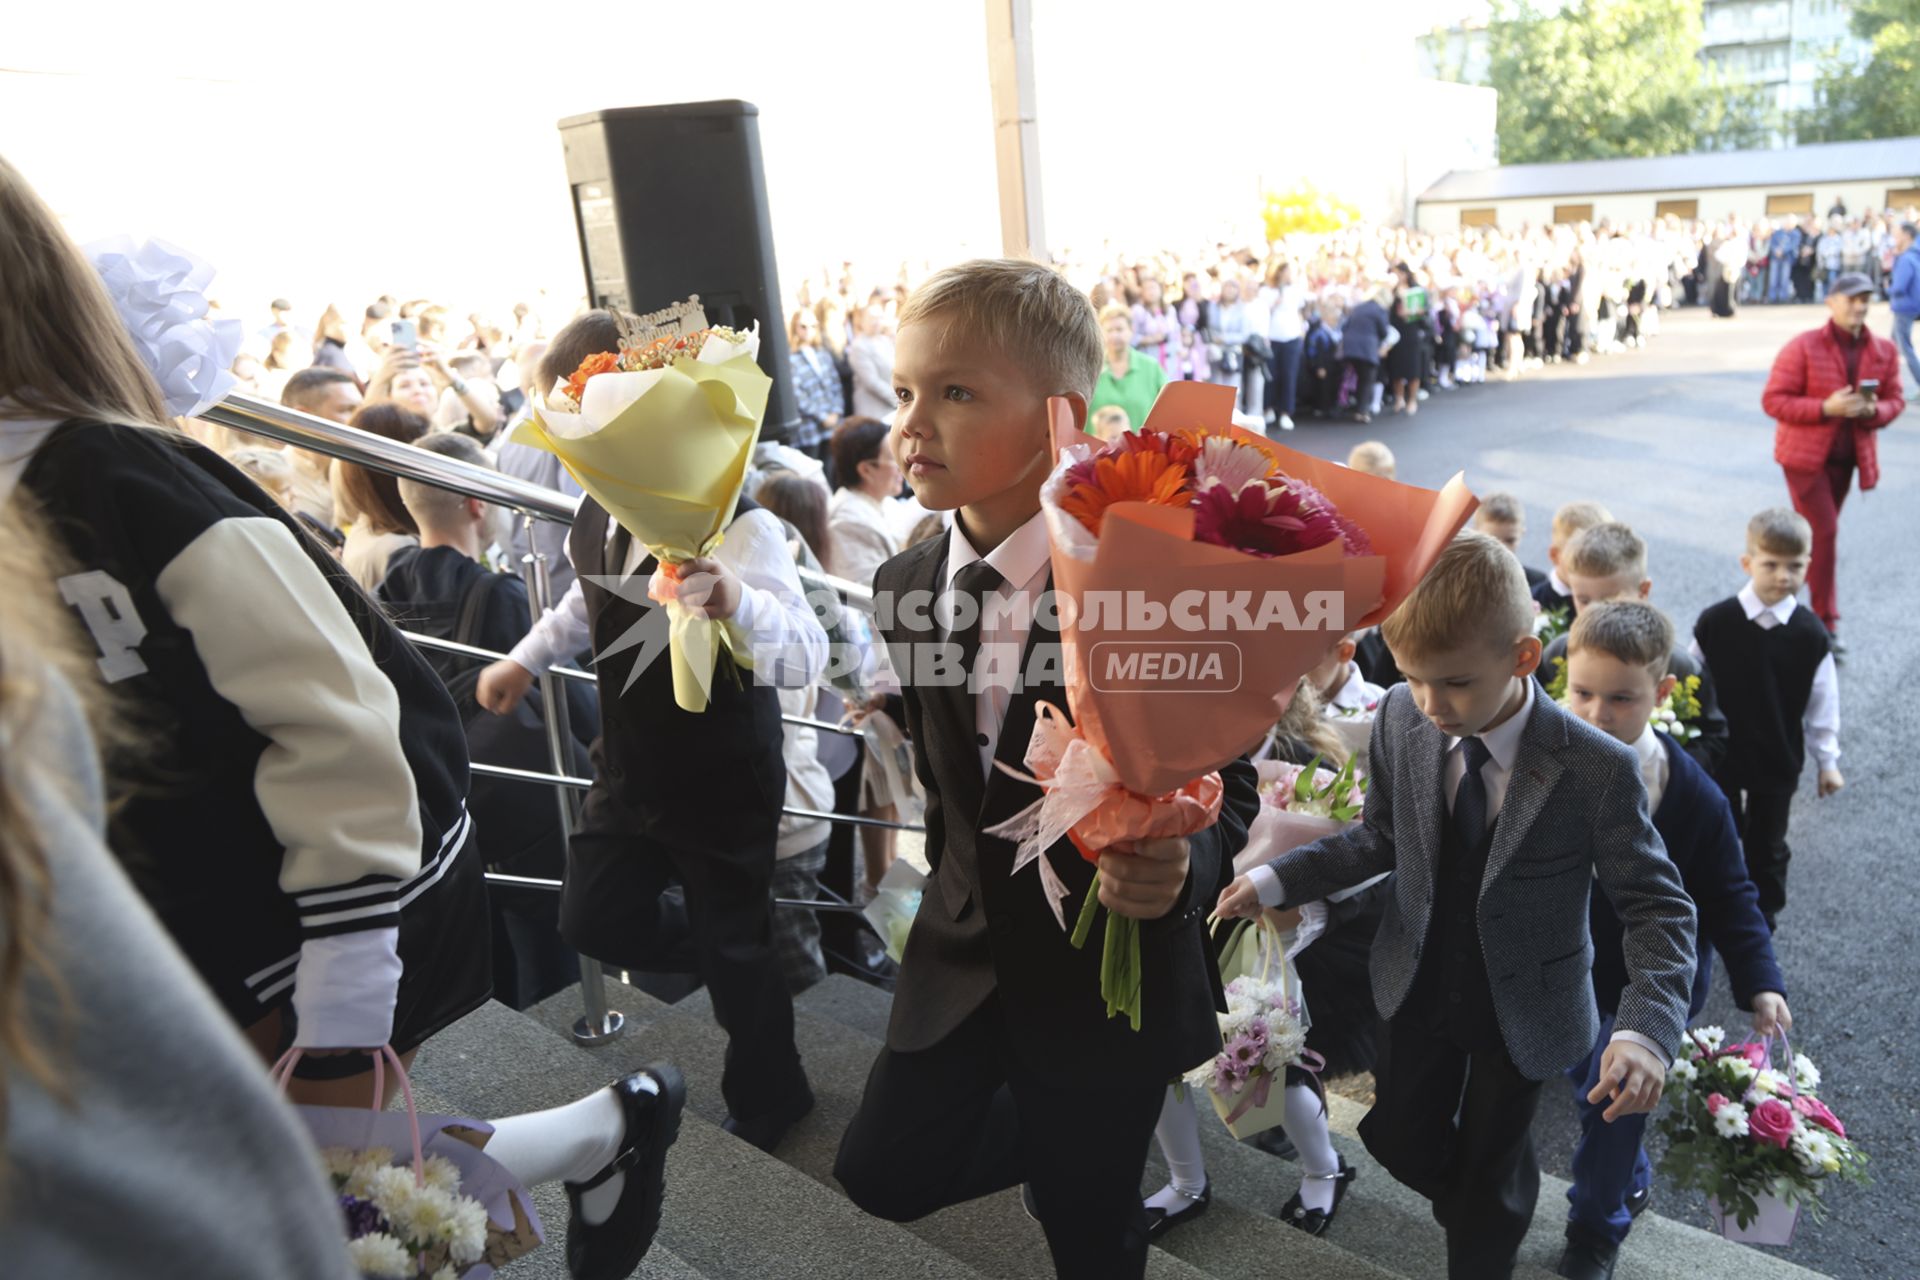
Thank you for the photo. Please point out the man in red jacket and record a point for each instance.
(1830, 390)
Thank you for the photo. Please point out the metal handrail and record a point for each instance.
(588, 677)
(242, 412)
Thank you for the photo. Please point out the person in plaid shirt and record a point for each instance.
(818, 395)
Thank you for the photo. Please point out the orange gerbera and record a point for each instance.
(1144, 476)
(597, 363)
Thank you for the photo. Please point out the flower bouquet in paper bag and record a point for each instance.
(1753, 1136)
(1199, 570)
(421, 1199)
(1262, 1033)
(660, 435)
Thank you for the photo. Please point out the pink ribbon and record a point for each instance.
(1084, 797)
(283, 1074)
(1310, 1062)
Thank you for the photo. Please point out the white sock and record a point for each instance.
(1306, 1126)
(1179, 1136)
(568, 1144)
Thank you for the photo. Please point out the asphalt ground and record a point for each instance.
(1672, 439)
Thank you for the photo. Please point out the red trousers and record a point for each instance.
(1818, 495)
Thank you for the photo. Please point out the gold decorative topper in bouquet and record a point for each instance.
(660, 434)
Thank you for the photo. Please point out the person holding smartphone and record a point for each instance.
(1830, 391)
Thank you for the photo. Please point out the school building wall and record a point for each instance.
(1714, 204)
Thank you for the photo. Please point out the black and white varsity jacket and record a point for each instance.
(300, 773)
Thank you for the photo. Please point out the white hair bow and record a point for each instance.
(159, 290)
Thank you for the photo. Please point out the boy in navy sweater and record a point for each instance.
(1774, 665)
(1617, 658)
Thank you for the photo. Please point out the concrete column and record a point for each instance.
(1016, 128)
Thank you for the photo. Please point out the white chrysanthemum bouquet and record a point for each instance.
(441, 1210)
(406, 1227)
(1753, 1136)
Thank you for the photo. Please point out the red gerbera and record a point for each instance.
(1276, 518)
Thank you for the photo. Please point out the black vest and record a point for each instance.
(1452, 984)
(662, 773)
(1765, 678)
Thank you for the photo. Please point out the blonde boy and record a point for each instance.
(1001, 1065)
(1372, 457)
(1569, 521)
(1608, 561)
(1498, 811)
(1501, 517)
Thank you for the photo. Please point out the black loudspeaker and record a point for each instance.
(671, 201)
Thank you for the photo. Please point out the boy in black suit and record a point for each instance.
(1617, 658)
(1775, 666)
(1001, 1065)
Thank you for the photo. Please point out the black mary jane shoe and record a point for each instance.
(612, 1249)
(1159, 1221)
(1316, 1221)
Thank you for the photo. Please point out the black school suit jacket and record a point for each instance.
(1575, 814)
(980, 930)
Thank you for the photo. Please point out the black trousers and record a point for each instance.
(964, 1119)
(615, 908)
(1760, 818)
(1457, 1127)
(1364, 374)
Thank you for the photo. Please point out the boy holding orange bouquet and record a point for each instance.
(1001, 1064)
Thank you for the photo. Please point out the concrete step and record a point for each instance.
(993, 1234)
(1381, 1221)
(732, 1213)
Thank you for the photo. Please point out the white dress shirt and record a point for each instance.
(774, 622)
(1356, 695)
(1653, 764)
(1022, 560)
(1822, 720)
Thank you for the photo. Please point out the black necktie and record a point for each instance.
(975, 581)
(1470, 801)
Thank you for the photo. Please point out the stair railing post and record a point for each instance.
(599, 1025)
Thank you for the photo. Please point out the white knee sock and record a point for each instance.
(1179, 1136)
(567, 1144)
(1306, 1126)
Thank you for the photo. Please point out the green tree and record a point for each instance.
(1596, 79)
(1877, 98)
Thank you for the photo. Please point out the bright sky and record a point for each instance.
(334, 151)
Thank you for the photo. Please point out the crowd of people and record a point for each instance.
(319, 870)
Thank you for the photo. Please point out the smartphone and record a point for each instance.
(406, 334)
(1870, 388)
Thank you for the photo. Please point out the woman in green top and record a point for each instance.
(1129, 379)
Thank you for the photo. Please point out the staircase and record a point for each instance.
(733, 1213)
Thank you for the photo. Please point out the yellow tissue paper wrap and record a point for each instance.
(665, 451)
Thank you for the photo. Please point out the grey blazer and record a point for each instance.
(1575, 809)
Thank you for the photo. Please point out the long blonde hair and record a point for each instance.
(66, 352)
(1303, 723)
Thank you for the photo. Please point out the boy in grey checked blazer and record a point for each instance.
(1497, 811)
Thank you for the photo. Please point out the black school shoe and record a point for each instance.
(1316, 1221)
(1583, 1260)
(766, 1131)
(1159, 1221)
(1637, 1202)
(615, 1247)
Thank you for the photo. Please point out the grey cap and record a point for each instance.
(1850, 283)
